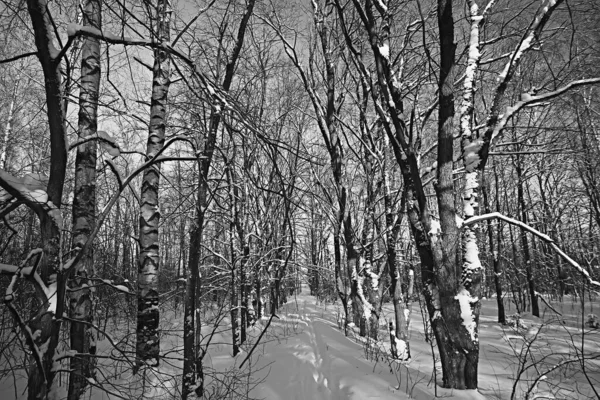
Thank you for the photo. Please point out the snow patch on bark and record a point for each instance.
(435, 231)
(526, 43)
(466, 312)
(385, 51)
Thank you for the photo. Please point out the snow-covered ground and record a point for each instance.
(304, 355)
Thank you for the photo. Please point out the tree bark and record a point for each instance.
(495, 252)
(148, 343)
(535, 309)
(84, 208)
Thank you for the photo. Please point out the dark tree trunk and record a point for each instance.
(495, 252)
(193, 376)
(41, 376)
(535, 309)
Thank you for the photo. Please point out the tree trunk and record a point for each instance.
(234, 302)
(401, 305)
(193, 376)
(495, 253)
(84, 209)
(148, 344)
(8, 127)
(41, 377)
(535, 309)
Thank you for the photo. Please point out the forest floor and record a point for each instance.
(304, 355)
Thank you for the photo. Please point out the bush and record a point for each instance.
(516, 322)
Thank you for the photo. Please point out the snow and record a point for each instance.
(122, 288)
(385, 51)
(109, 144)
(472, 255)
(381, 5)
(466, 300)
(471, 154)
(39, 196)
(374, 277)
(436, 229)
(74, 29)
(306, 356)
(401, 348)
(52, 298)
(459, 221)
(526, 43)
(367, 308)
(525, 97)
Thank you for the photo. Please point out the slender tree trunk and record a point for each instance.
(496, 252)
(259, 302)
(84, 209)
(234, 297)
(8, 127)
(148, 344)
(339, 281)
(535, 310)
(401, 305)
(233, 211)
(193, 376)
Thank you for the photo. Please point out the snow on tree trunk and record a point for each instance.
(148, 344)
(456, 327)
(8, 127)
(84, 208)
(401, 304)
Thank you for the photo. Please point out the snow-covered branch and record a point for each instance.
(21, 271)
(32, 196)
(544, 237)
(534, 30)
(9, 298)
(528, 100)
(108, 141)
(536, 26)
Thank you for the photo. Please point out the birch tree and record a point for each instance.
(84, 207)
(148, 344)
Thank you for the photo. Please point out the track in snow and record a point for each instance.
(317, 362)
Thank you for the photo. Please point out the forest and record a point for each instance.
(303, 199)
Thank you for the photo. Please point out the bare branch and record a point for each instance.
(15, 58)
(544, 237)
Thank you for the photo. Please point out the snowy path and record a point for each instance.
(318, 362)
(305, 356)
